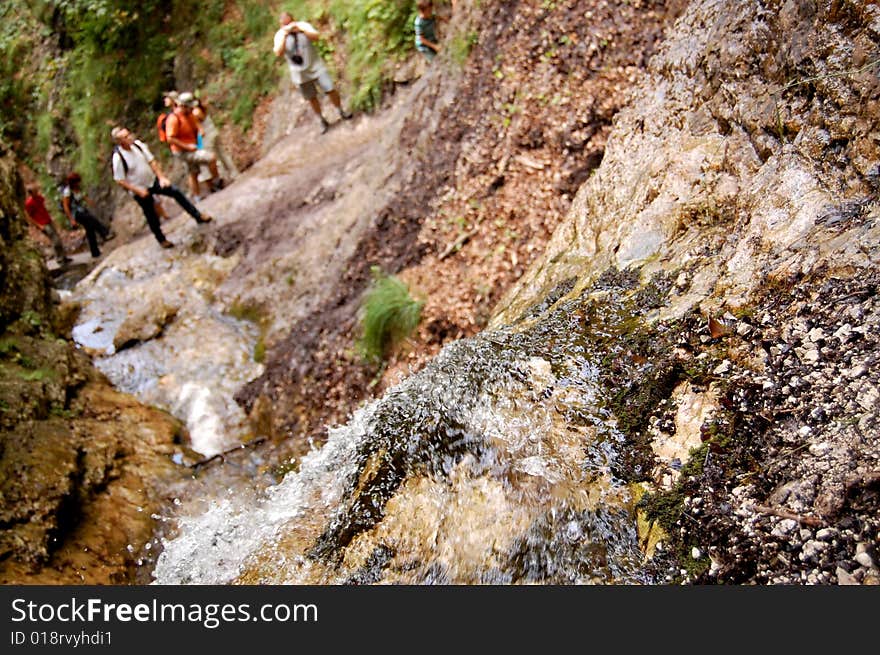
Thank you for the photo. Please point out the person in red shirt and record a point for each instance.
(182, 131)
(35, 208)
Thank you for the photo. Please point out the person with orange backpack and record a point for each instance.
(182, 130)
(170, 100)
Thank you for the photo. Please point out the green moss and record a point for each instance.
(260, 350)
(29, 375)
(246, 311)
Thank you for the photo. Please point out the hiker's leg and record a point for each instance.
(173, 192)
(57, 246)
(326, 83)
(89, 222)
(92, 238)
(100, 228)
(160, 209)
(194, 184)
(316, 106)
(149, 208)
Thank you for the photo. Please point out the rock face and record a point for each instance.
(742, 182)
(751, 143)
(84, 470)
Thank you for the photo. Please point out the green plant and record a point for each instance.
(460, 47)
(38, 375)
(388, 315)
(376, 33)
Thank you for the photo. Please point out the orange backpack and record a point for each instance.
(160, 127)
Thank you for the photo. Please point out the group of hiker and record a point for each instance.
(75, 206)
(192, 139)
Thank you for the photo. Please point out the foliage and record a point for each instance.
(378, 33)
(388, 315)
(78, 67)
(460, 46)
(16, 88)
(238, 66)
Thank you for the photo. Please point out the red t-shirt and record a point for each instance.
(183, 127)
(35, 206)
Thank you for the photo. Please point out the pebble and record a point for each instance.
(819, 449)
(812, 550)
(856, 371)
(864, 560)
(816, 334)
(784, 528)
(826, 534)
(868, 398)
(722, 368)
(843, 331)
(845, 578)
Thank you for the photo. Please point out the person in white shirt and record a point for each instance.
(294, 41)
(137, 171)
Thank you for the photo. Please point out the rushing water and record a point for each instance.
(494, 464)
(184, 356)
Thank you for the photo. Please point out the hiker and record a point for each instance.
(169, 98)
(210, 137)
(137, 171)
(182, 131)
(35, 209)
(426, 30)
(294, 41)
(74, 202)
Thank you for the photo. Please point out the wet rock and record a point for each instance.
(144, 322)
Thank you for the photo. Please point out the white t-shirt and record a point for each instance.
(138, 162)
(312, 66)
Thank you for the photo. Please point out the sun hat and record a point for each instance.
(187, 99)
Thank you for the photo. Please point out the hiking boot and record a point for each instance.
(204, 218)
(324, 125)
(110, 236)
(346, 115)
(218, 184)
(166, 244)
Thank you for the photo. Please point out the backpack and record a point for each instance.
(160, 127)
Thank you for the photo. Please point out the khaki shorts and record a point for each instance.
(310, 89)
(194, 159)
